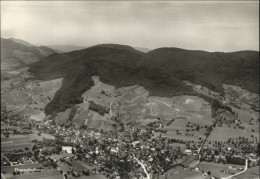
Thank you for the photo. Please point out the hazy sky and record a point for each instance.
(211, 26)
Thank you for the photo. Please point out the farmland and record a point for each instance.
(252, 173)
(25, 97)
(11, 169)
(218, 170)
(185, 175)
(180, 122)
(11, 145)
(46, 174)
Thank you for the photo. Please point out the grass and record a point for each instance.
(188, 160)
(16, 97)
(98, 176)
(183, 175)
(79, 165)
(216, 169)
(48, 174)
(16, 145)
(251, 173)
(224, 133)
(10, 169)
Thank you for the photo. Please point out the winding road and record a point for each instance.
(246, 167)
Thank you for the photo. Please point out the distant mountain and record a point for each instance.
(16, 53)
(161, 71)
(22, 42)
(66, 48)
(118, 47)
(142, 49)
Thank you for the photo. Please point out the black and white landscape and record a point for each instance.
(129, 90)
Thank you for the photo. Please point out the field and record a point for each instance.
(100, 93)
(252, 173)
(188, 160)
(95, 120)
(10, 169)
(224, 133)
(16, 97)
(216, 169)
(180, 126)
(133, 104)
(46, 174)
(11, 145)
(98, 176)
(24, 97)
(24, 138)
(79, 165)
(184, 175)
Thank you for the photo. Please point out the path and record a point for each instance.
(110, 107)
(148, 176)
(246, 167)
(199, 153)
(44, 91)
(32, 95)
(167, 105)
(164, 103)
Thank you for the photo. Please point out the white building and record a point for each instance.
(67, 149)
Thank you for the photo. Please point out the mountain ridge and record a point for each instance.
(16, 53)
(161, 71)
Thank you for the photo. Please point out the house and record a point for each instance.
(114, 150)
(67, 149)
(188, 152)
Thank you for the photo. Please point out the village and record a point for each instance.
(138, 151)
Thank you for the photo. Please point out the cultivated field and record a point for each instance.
(252, 173)
(217, 170)
(224, 133)
(46, 174)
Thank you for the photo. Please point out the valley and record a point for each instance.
(72, 124)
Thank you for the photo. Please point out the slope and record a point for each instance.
(160, 71)
(17, 53)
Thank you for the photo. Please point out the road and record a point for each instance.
(148, 176)
(246, 167)
(2, 176)
(199, 153)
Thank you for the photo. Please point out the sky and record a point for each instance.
(197, 25)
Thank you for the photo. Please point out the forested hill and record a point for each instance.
(161, 71)
(16, 53)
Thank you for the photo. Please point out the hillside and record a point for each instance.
(160, 71)
(16, 53)
(208, 69)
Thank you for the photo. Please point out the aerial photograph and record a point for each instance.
(130, 89)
